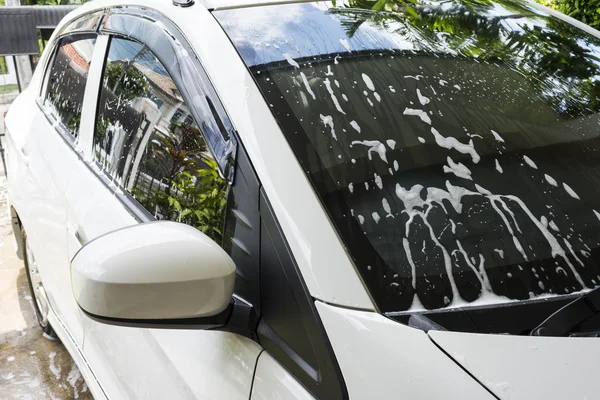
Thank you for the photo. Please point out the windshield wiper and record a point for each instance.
(566, 319)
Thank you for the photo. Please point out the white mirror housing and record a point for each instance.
(154, 271)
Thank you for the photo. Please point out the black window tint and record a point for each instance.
(148, 142)
(454, 147)
(67, 80)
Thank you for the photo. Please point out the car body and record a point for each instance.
(141, 110)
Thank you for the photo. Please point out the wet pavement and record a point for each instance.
(31, 366)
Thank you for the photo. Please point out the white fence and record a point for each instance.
(11, 77)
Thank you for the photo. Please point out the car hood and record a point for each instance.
(526, 367)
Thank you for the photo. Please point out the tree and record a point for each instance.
(548, 50)
(587, 11)
(126, 82)
(195, 191)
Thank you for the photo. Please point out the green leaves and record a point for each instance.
(196, 197)
(396, 6)
(379, 5)
(411, 11)
(587, 11)
(127, 81)
(184, 213)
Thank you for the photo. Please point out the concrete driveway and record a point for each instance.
(31, 366)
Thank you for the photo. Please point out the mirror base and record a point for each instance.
(239, 318)
(201, 323)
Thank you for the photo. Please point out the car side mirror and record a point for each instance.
(154, 275)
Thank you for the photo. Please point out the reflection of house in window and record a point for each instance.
(169, 108)
(134, 121)
(67, 81)
(163, 88)
(159, 103)
(147, 135)
(183, 115)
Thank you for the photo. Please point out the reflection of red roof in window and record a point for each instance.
(73, 54)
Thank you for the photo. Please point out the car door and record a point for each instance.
(151, 155)
(53, 154)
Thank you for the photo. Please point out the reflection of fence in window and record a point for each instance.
(149, 191)
(174, 176)
(161, 157)
(191, 190)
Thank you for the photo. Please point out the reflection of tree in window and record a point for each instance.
(133, 83)
(454, 144)
(147, 141)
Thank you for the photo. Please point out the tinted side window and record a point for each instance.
(148, 142)
(67, 79)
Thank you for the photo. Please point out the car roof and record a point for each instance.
(208, 4)
(228, 4)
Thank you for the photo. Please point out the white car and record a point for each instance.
(297, 200)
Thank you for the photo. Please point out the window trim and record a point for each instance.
(129, 202)
(133, 206)
(88, 114)
(68, 29)
(78, 146)
(60, 127)
(168, 42)
(137, 210)
(83, 145)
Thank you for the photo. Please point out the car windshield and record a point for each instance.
(454, 144)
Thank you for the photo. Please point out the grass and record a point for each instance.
(5, 89)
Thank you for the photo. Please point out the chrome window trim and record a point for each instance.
(172, 49)
(41, 99)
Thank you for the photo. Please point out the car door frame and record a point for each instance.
(136, 27)
(135, 23)
(72, 146)
(80, 27)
